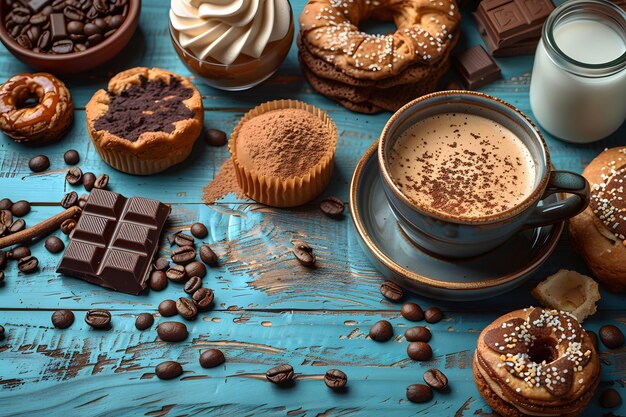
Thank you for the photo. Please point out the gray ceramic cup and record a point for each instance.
(453, 237)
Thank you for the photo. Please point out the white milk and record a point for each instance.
(569, 100)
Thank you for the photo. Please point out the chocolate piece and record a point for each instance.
(476, 67)
(115, 240)
(57, 24)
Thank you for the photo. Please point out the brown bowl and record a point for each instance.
(76, 61)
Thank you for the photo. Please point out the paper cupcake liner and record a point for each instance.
(285, 192)
(131, 164)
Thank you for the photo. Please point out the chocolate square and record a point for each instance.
(476, 67)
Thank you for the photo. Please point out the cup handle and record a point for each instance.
(561, 182)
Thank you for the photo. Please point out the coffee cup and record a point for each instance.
(464, 171)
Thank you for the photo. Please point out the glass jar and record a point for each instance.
(578, 85)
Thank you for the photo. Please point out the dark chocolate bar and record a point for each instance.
(476, 67)
(114, 241)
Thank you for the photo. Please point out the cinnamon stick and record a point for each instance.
(40, 229)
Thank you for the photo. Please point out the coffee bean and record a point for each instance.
(116, 21)
(419, 393)
(172, 331)
(24, 41)
(38, 19)
(72, 157)
(280, 375)
(381, 331)
(89, 179)
(39, 163)
(207, 255)
(203, 299)
(168, 370)
(91, 29)
(610, 398)
(5, 204)
(195, 269)
(70, 199)
(177, 274)
(58, 5)
(332, 207)
(75, 28)
(6, 218)
(18, 252)
(94, 39)
(419, 351)
(17, 226)
(303, 253)
(144, 321)
(184, 255)
(199, 230)
(62, 319)
(101, 6)
(74, 176)
(215, 137)
(4, 230)
(2, 332)
(433, 315)
(161, 264)
(64, 46)
(167, 308)
(33, 34)
(183, 239)
(186, 308)
(392, 291)
(412, 312)
(3, 259)
(98, 319)
(45, 40)
(417, 334)
(82, 200)
(67, 226)
(28, 265)
(20, 208)
(101, 182)
(193, 285)
(335, 379)
(611, 336)
(212, 358)
(101, 23)
(157, 281)
(435, 379)
(20, 15)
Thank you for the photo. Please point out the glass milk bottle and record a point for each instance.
(578, 85)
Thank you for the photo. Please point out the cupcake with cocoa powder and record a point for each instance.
(283, 152)
(146, 121)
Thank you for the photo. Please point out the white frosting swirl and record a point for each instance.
(225, 29)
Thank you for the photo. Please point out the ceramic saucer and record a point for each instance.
(398, 259)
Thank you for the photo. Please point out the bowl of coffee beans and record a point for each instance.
(67, 36)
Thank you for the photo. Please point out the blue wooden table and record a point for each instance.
(269, 310)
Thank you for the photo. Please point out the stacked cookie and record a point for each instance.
(370, 73)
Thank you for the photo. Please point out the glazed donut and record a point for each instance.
(425, 32)
(47, 120)
(535, 362)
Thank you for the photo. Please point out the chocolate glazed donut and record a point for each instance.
(35, 108)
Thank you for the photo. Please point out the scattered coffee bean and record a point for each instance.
(183, 239)
(62, 319)
(70, 199)
(280, 375)
(72, 157)
(417, 334)
(82, 201)
(5, 204)
(433, 315)
(28, 265)
(199, 230)
(184, 255)
(18, 252)
(67, 226)
(611, 336)
(412, 312)
(419, 351)
(20, 208)
(419, 393)
(39, 163)
(381, 331)
(161, 264)
(303, 253)
(54, 244)
(98, 319)
(74, 176)
(17, 225)
(172, 331)
(215, 137)
(195, 269)
(144, 321)
(101, 182)
(610, 398)
(6, 218)
(2, 332)
(168, 370)
(207, 255)
(392, 291)
(177, 274)
(335, 379)
(332, 207)
(167, 308)
(186, 308)
(89, 179)
(203, 298)
(3, 259)
(193, 285)
(158, 281)
(4, 230)
(212, 358)
(435, 379)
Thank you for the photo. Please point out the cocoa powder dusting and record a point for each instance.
(224, 183)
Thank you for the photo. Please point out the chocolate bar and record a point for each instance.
(476, 67)
(114, 241)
